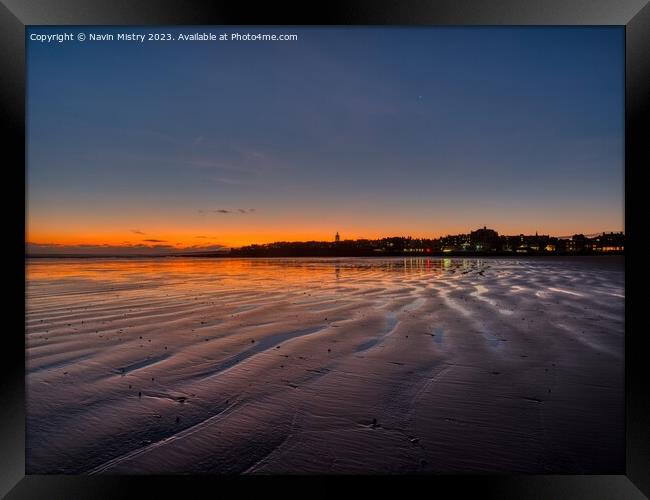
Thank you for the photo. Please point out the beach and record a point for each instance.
(321, 366)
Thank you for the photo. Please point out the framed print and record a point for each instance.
(370, 241)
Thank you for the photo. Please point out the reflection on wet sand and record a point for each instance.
(325, 365)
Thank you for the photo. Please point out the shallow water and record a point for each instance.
(325, 365)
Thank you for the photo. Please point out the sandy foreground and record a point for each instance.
(153, 366)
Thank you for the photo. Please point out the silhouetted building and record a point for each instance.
(484, 240)
(455, 243)
(577, 243)
(609, 242)
(536, 243)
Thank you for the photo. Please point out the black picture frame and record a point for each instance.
(15, 15)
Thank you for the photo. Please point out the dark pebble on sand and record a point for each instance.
(252, 341)
(415, 440)
(496, 373)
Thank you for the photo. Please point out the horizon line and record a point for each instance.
(58, 249)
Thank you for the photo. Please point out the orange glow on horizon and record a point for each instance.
(179, 240)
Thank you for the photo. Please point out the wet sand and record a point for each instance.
(156, 366)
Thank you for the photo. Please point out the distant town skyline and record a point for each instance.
(614, 240)
(163, 147)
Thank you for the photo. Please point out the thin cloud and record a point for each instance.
(44, 249)
(155, 241)
(137, 231)
(229, 211)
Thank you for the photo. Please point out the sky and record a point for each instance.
(371, 132)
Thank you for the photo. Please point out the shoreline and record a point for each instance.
(344, 256)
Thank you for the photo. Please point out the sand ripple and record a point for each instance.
(325, 365)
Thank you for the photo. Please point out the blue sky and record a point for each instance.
(375, 131)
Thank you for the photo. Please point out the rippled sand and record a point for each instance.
(325, 365)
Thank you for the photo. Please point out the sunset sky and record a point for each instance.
(369, 132)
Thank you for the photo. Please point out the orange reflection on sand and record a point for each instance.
(231, 272)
